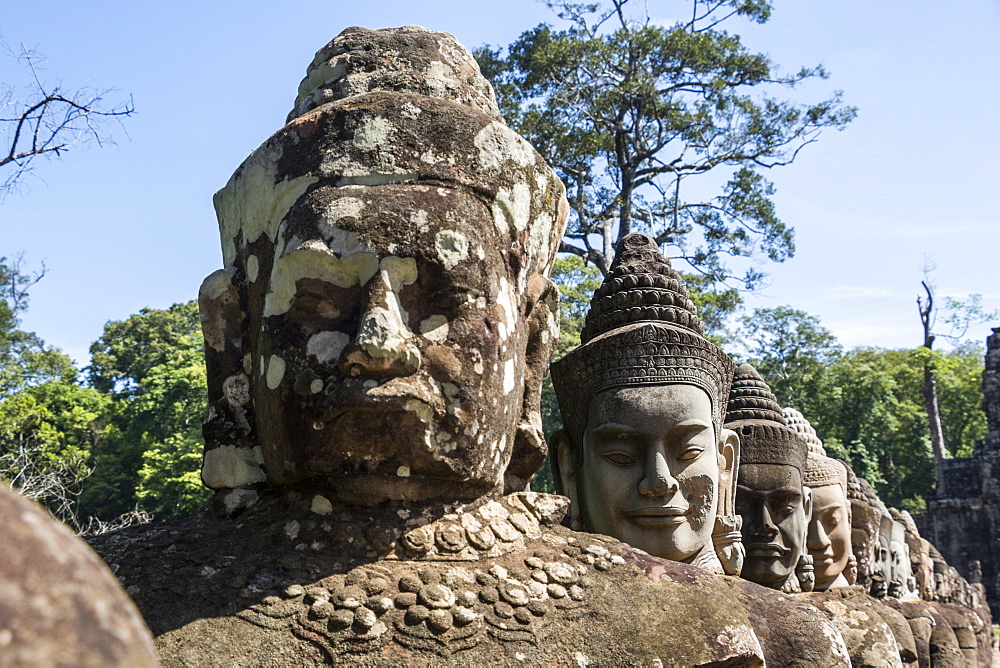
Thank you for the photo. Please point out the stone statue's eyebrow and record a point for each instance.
(684, 425)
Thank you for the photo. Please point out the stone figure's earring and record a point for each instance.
(851, 570)
(805, 573)
(728, 542)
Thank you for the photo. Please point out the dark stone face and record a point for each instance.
(650, 470)
(773, 504)
(391, 342)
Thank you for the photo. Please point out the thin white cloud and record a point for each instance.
(863, 292)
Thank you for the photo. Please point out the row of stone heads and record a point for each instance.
(384, 321)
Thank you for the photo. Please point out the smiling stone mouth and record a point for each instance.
(766, 550)
(658, 514)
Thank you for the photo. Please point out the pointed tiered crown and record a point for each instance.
(753, 413)
(820, 469)
(642, 329)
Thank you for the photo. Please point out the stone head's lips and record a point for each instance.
(658, 515)
(821, 558)
(766, 550)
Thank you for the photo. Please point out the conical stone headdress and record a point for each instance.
(642, 329)
(820, 469)
(753, 413)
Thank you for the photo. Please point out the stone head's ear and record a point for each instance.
(807, 503)
(541, 322)
(232, 457)
(729, 463)
(564, 473)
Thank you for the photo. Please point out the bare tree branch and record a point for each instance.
(39, 120)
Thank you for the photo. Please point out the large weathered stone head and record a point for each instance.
(828, 539)
(384, 318)
(643, 456)
(770, 494)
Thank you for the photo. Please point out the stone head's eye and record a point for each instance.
(619, 458)
(690, 454)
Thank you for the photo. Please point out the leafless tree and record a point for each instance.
(56, 487)
(42, 120)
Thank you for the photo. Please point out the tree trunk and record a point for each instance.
(929, 389)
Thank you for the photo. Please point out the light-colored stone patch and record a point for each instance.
(348, 209)
(505, 300)
(403, 471)
(410, 111)
(320, 75)
(434, 328)
(419, 220)
(440, 80)
(424, 412)
(452, 247)
(230, 466)
(513, 206)
(253, 268)
(275, 371)
(321, 505)
(238, 499)
(316, 386)
(216, 283)
(372, 133)
(498, 144)
(312, 261)
(252, 203)
(236, 389)
(327, 346)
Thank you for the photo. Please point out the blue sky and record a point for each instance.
(132, 225)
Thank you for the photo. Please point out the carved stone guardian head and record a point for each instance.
(770, 494)
(828, 539)
(643, 456)
(384, 318)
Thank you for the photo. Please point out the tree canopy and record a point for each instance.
(629, 112)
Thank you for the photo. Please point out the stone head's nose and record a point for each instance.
(384, 346)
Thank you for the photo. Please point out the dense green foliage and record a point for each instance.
(633, 115)
(130, 436)
(152, 367)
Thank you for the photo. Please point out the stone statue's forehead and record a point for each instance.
(770, 477)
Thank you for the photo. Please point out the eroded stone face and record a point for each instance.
(773, 503)
(409, 330)
(829, 537)
(650, 469)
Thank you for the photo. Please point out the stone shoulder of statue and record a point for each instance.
(476, 584)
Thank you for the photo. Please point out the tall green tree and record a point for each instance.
(630, 113)
(152, 366)
(25, 360)
(792, 350)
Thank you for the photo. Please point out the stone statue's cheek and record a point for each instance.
(699, 491)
